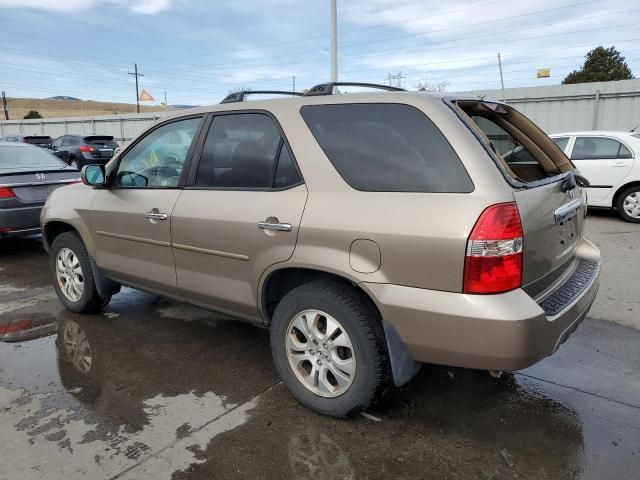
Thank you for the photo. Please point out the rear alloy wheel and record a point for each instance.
(328, 346)
(628, 204)
(72, 275)
(320, 353)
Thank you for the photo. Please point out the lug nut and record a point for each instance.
(319, 362)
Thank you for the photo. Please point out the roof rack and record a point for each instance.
(327, 88)
(241, 95)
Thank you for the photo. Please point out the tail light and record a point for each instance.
(494, 251)
(6, 192)
(87, 149)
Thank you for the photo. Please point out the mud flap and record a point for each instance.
(105, 286)
(403, 366)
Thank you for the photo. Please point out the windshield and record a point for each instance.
(26, 159)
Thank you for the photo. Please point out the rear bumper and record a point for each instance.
(20, 221)
(508, 331)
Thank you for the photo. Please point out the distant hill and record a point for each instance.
(63, 97)
(180, 107)
(63, 106)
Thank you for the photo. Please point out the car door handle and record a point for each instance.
(620, 164)
(278, 227)
(156, 216)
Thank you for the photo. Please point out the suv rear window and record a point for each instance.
(386, 148)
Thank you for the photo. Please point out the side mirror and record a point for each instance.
(131, 179)
(62, 155)
(93, 175)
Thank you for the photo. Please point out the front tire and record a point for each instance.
(73, 280)
(328, 346)
(628, 204)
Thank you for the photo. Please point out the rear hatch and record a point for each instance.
(104, 145)
(551, 204)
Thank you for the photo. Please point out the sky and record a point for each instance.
(198, 51)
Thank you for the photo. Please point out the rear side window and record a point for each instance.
(386, 148)
(561, 142)
(246, 150)
(593, 148)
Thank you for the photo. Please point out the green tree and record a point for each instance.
(601, 65)
(32, 114)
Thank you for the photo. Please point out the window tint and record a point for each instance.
(387, 148)
(157, 159)
(561, 142)
(286, 172)
(590, 148)
(69, 140)
(239, 152)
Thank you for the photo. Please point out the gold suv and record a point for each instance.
(370, 232)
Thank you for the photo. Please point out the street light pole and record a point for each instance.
(334, 41)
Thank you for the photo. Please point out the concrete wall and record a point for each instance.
(557, 108)
(583, 106)
(122, 127)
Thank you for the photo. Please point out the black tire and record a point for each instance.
(362, 323)
(90, 301)
(620, 203)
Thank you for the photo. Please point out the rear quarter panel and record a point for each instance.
(422, 236)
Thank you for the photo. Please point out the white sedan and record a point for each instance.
(610, 162)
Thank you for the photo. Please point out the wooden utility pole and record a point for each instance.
(136, 74)
(4, 106)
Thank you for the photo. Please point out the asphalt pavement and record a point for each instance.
(153, 389)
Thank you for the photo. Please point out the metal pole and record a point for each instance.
(334, 41)
(136, 74)
(504, 99)
(166, 105)
(596, 105)
(293, 79)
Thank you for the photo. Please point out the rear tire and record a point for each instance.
(73, 280)
(346, 341)
(628, 204)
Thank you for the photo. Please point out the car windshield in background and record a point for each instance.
(15, 158)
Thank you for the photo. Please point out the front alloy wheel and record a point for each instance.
(69, 274)
(320, 353)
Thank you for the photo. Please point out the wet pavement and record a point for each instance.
(153, 389)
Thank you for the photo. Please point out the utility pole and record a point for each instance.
(166, 105)
(293, 80)
(136, 74)
(334, 41)
(4, 106)
(504, 99)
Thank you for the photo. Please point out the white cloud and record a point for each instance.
(144, 7)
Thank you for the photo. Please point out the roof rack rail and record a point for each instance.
(241, 95)
(327, 88)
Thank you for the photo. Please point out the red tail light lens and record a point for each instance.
(6, 192)
(494, 251)
(87, 149)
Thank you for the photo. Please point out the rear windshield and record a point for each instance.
(38, 140)
(386, 148)
(103, 140)
(26, 159)
(524, 152)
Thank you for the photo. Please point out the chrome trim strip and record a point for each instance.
(568, 210)
(37, 184)
(206, 251)
(133, 239)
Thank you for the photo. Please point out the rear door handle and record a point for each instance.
(156, 216)
(620, 164)
(278, 227)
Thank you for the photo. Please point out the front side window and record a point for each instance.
(245, 150)
(593, 148)
(561, 142)
(386, 148)
(158, 158)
